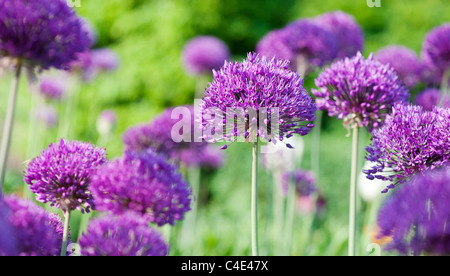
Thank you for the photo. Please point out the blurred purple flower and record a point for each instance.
(143, 182)
(430, 97)
(157, 135)
(436, 48)
(105, 60)
(47, 114)
(273, 44)
(123, 235)
(348, 33)
(360, 91)
(412, 140)
(8, 240)
(61, 174)
(36, 231)
(260, 86)
(44, 33)
(304, 182)
(52, 87)
(202, 54)
(405, 62)
(417, 216)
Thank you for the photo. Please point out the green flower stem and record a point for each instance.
(315, 151)
(352, 201)
(65, 232)
(278, 211)
(444, 86)
(254, 201)
(290, 217)
(7, 129)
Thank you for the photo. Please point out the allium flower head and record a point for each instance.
(123, 235)
(360, 91)
(311, 42)
(431, 97)
(412, 140)
(405, 62)
(44, 33)
(52, 87)
(274, 44)
(348, 33)
(204, 53)
(416, 217)
(8, 241)
(36, 231)
(62, 173)
(157, 135)
(143, 182)
(255, 98)
(304, 182)
(436, 48)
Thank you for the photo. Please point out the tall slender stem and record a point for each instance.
(352, 202)
(315, 151)
(444, 86)
(290, 216)
(254, 202)
(7, 130)
(65, 232)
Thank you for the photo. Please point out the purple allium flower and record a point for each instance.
(143, 182)
(37, 232)
(127, 234)
(62, 173)
(44, 33)
(405, 62)
(412, 140)
(253, 93)
(417, 216)
(202, 54)
(360, 91)
(348, 33)
(106, 122)
(47, 114)
(274, 44)
(311, 43)
(52, 87)
(436, 48)
(304, 181)
(105, 60)
(8, 240)
(157, 135)
(430, 97)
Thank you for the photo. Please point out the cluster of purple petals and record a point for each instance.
(273, 44)
(157, 135)
(347, 32)
(412, 140)
(436, 48)
(44, 33)
(143, 182)
(304, 181)
(35, 231)
(431, 97)
(416, 217)
(359, 90)
(127, 234)
(8, 241)
(52, 87)
(204, 53)
(253, 90)
(405, 62)
(62, 173)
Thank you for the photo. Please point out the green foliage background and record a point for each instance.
(149, 36)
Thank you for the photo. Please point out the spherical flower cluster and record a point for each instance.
(304, 182)
(43, 33)
(416, 217)
(8, 242)
(348, 33)
(143, 182)
(360, 91)
(157, 135)
(36, 231)
(52, 87)
(256, 98)
(204, 53)
(405, 62)
(431, 97)
(412, 140)
(94, 61)
(123, 235)
(436, 48)
(303, 42)
(61, 174)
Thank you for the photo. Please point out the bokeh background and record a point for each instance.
(149, 35)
